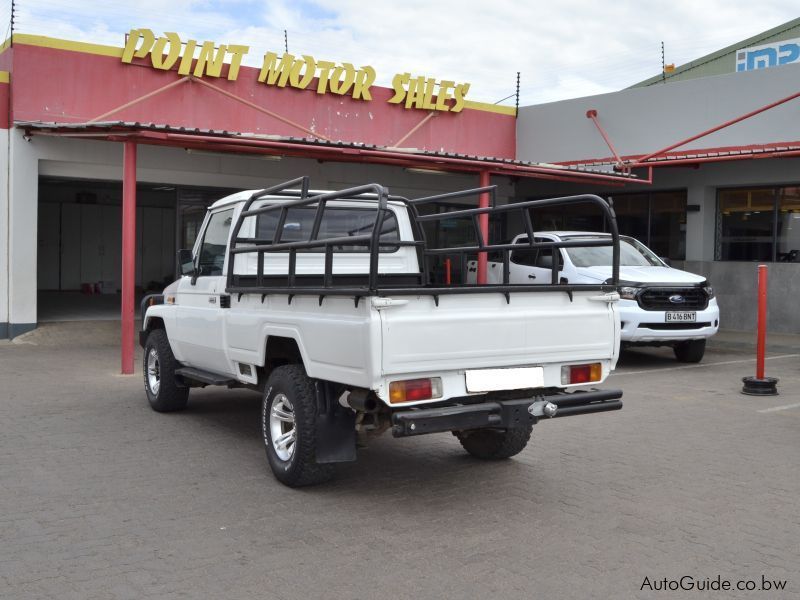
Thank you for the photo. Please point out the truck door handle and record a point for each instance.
(531, 276)
(610, 297)
(381, 303)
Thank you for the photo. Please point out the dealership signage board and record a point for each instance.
(768, 55)
(169, 51)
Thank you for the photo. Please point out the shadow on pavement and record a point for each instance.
(384, 469)
(647, 357)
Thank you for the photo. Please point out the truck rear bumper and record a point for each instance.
(502, 414)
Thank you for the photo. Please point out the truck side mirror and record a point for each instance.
(666, 260)
(186, 262)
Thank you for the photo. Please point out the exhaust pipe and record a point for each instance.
(362, 401)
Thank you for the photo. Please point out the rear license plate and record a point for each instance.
(681, 317)
(491, 380)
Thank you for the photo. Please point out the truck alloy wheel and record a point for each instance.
(283, 432)
(153, 371)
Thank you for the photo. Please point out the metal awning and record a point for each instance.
(697, 156)
(307, 147)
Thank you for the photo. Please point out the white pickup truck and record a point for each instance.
(659, 305)
(326, 303)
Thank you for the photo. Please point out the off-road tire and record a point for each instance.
(170, 396)
(691, 351)
(301, 468)
(495, 444)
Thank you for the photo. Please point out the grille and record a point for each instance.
(694, 298)
(673, 326)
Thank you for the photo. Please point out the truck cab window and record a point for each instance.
(336, 222)
(525, 257)
(535, 257)
(544, 260)
(215, 241)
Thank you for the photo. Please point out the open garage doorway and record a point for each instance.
(79, 262)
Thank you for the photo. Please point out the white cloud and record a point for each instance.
(563, 49)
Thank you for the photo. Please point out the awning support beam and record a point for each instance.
(225, 93)
(263, 110)
(592, 114)
(139, 99)
(413, 130)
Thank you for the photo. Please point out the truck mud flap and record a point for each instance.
(504, 413)
(336, 427)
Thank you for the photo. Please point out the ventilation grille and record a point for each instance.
(693, 298)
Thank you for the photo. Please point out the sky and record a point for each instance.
(563, 49)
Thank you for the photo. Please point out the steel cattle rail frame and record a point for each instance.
(376, 284)
(262, 246)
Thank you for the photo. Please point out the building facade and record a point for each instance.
(70, 114)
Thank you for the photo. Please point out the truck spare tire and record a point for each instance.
(495, 444)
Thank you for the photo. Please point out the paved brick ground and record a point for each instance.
(102, 498)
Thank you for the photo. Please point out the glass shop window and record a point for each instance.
(759, 224)
(788, 224)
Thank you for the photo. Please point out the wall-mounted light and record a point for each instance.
(233, 154)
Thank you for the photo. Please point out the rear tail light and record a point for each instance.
(411, 390)
(575, 374)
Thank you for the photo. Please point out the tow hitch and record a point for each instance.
(543, 408)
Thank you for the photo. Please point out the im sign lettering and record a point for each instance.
(769, 55)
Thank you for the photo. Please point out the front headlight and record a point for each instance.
(627, 292)
(708, 290)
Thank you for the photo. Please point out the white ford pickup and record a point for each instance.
(659, 305)
(328, 304)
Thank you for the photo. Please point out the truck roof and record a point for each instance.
(245, 195)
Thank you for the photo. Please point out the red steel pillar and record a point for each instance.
(128, 255)
(761, 385)
(761, 336)
(483, 222)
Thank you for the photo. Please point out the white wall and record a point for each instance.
(4, 167)
(23, 194)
